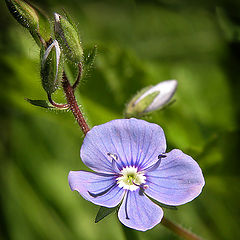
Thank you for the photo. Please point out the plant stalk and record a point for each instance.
(180, 231)
(69, 92)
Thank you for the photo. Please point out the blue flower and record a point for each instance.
(128, 156)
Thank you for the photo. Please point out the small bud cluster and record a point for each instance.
(58, 43)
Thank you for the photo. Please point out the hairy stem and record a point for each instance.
(56, 104)
(69, 92)
(78, 77)
(177, 229)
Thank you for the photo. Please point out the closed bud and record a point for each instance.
(68, 39)
(24, 13)
(31, 18)
(51, 68)
(151, 99)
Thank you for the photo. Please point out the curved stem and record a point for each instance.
(69, 92)
(180, 231)
(57, 105)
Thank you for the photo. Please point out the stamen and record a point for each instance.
(145, 186)
(113, 156)
(157, 164)
(135, 183)
(115, 165)
(162, 156)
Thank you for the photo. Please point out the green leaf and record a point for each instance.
(40, 103)
(89, 58)
(104, 212)
(44, 104)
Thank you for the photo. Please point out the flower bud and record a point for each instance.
(151, 98)
(68, 39)
(31, 18)
(23, 13)
(51, 69)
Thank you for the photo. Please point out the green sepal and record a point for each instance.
(90, 57)
(70, 20)
(44, 28)
(71, 69)
(68, 39)
(134, 109)
(104, 212)
(44, 104)
(88, 60)
(51, 67)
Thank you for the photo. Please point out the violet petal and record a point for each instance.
(139, 212)
(176, 181)
(100, 189)
(135, 142)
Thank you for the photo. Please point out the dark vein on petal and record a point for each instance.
(119, 132)
(130, 140)
(139, 158)
(146, 152)
(138, 144)
(172, 166)
(146, 162)
(101, 193)
(171, 188)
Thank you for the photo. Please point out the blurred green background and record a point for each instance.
(139, 43)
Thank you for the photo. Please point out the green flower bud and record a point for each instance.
(24, 13)
(151, 99)
(31, 18)
(68, 39)
(51, 67)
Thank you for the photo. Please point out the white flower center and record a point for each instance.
(130, 179)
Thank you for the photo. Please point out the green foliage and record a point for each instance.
(104, 212)
(40, 103)
(45, 104)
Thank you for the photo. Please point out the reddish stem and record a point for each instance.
(57, 105)
(179, 230)
(69, 92)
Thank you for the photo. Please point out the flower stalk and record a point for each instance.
(180, 231)
(71, 99)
